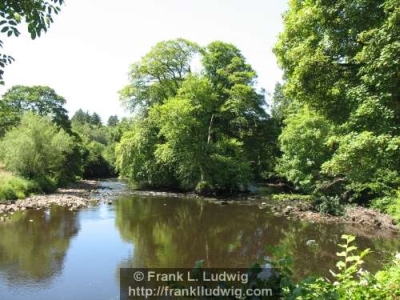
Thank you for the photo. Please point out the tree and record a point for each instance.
(81, 117)
(41, 100)
(95, 119)
(159, 74)
(341, 61)
(38, 14)
(201, 131)
(36, 148)
(113, 121)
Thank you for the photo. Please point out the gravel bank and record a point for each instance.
(75, 196)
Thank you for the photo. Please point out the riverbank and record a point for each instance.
(303, 210)
(74, 196)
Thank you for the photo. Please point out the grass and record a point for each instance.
(14, 187)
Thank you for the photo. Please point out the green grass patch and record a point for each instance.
(292, 197)
(14, 187)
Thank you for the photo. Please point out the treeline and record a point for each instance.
(41, 145)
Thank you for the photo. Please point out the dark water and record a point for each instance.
(60, 254)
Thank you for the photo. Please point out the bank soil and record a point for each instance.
(75, 196)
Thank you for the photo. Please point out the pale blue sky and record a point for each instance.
(86, 54)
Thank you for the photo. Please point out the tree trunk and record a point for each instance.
(210, 129)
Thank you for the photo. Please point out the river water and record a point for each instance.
(59, 254)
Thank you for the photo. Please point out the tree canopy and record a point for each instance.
(194, 130)
(341, 62)
(41, 100)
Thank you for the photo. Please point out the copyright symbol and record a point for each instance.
(138, 276)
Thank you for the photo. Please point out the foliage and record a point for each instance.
(36, 148)
(368, 161)
(98, 144)
(15, 187)
(135, 158)
(389, 204)
(159, 74)
(205, 131)
(112, 121)
(304, 145)
(341, 64)
(41, 100)
(38, 14)
(330, 205)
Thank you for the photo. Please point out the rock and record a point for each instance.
(287, 210)
(311, 243)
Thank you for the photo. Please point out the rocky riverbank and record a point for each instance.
(356, 215)
(75, 196)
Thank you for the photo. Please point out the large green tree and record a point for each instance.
(37, 14)
(199, 130)
(41, 100)
(341, 61)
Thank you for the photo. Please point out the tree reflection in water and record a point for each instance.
(33, 245)
(177, 232)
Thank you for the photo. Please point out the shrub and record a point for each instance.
(389, 205)
(329, 205)
(14, 187)
(36, 148)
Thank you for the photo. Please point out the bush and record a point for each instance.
(329, 205)
(14, 187)
(36, 148)
(389, 205)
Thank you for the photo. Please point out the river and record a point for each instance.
(59, 254)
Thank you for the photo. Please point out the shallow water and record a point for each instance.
(59, 254)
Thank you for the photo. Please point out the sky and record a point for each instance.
(86, 53)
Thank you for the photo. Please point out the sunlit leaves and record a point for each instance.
(199, 123)
(36, 148)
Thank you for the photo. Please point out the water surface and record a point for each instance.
(59, 254)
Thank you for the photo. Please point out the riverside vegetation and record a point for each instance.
(332, 132)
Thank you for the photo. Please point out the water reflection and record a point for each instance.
(178, 232)
(33, 245)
